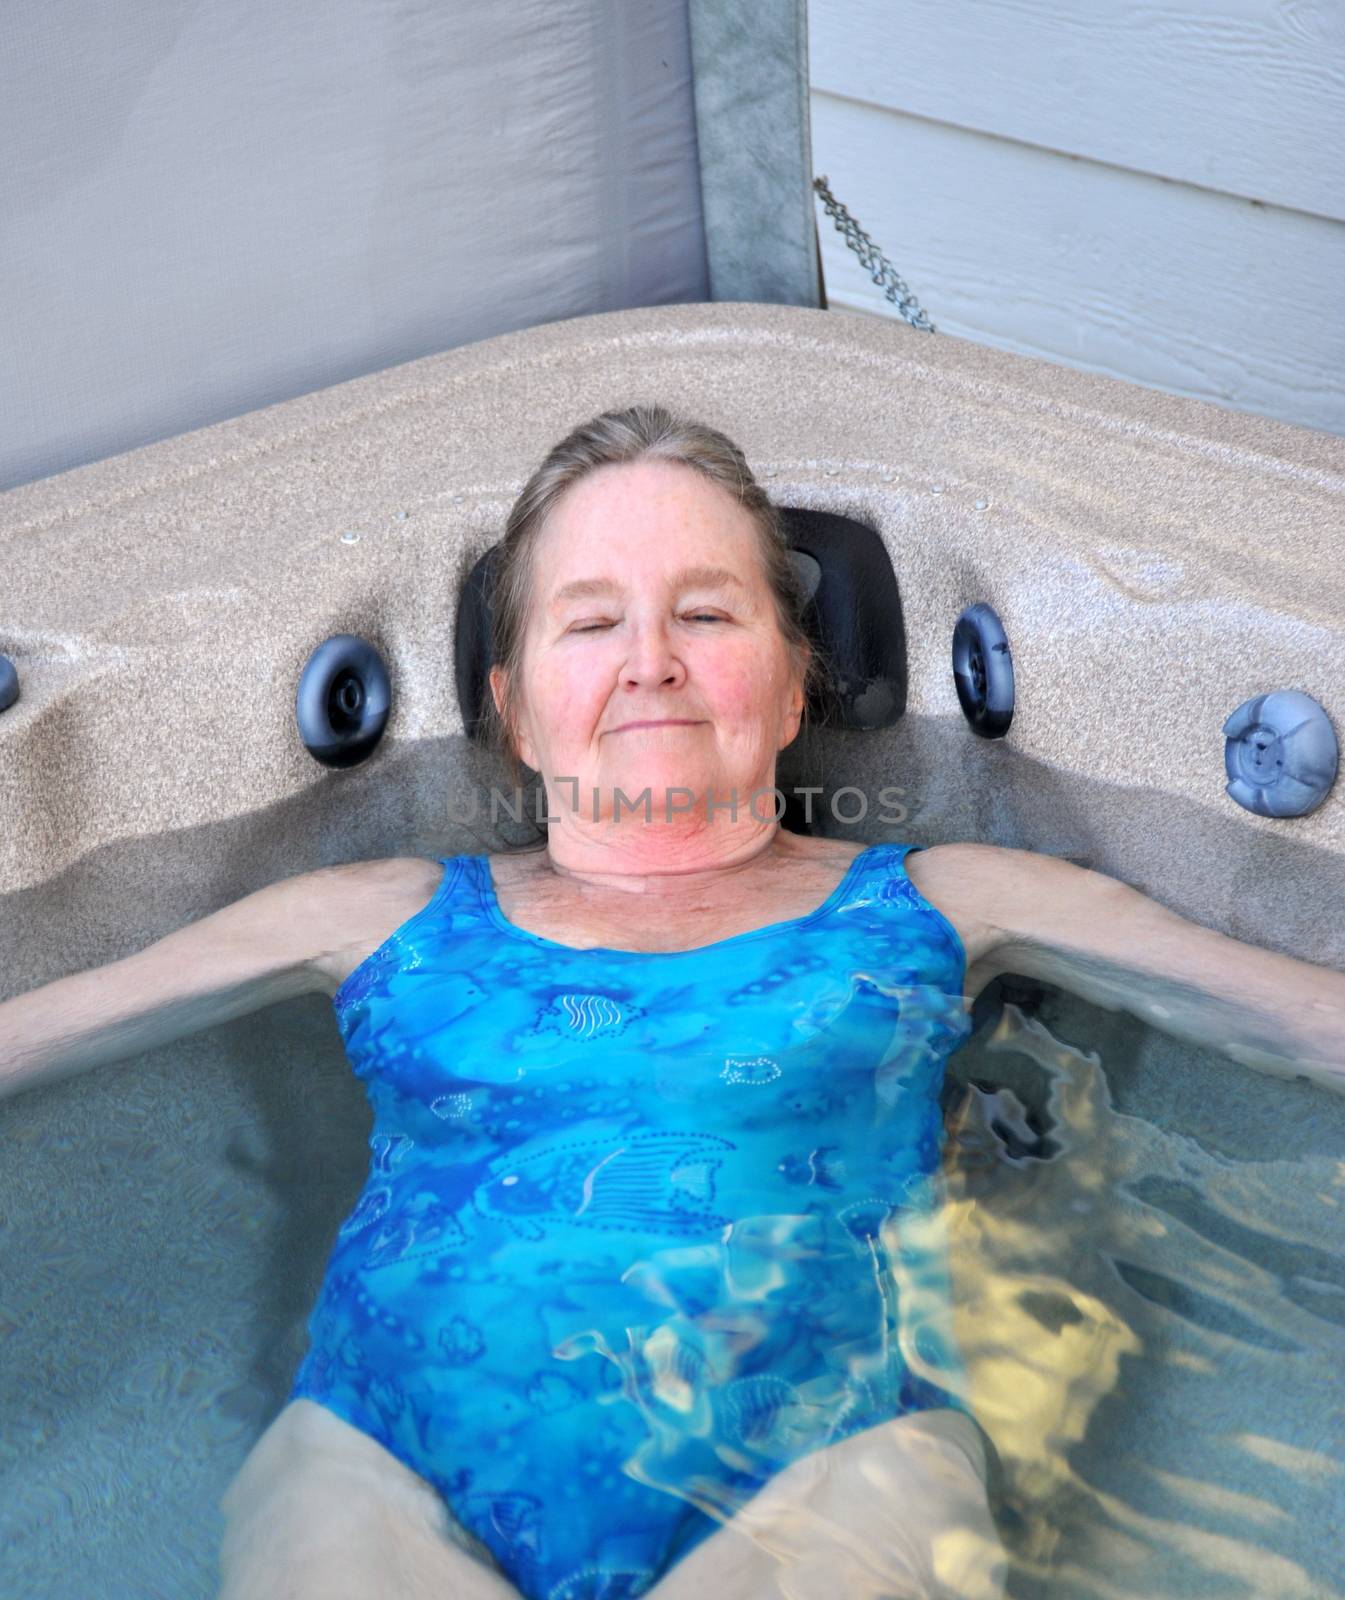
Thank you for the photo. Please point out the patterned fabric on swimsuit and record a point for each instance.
(641, 1228)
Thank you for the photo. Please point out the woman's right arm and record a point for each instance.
(262, 948)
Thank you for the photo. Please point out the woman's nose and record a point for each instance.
(652, 657)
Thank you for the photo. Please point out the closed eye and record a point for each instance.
(694, 616)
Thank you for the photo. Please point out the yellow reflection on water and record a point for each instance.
(1133, 1269)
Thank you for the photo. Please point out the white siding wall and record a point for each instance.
(1153, 189)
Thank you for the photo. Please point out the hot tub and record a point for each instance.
(1145, 1239)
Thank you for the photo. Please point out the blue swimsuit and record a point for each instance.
(641, 1228)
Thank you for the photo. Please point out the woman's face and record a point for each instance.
(631, 625)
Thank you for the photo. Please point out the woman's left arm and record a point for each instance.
(1104, 940)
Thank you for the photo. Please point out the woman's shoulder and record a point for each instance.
(968, 873)
(358, 904)
(991, 866)
(988, 891)
(385, 876)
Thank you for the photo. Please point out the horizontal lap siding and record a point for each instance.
(1158, 196)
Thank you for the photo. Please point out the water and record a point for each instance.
(1154, 1316)
(1151, 1308)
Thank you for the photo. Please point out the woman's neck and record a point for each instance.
(663, 860)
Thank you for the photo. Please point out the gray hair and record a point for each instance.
(639, 433)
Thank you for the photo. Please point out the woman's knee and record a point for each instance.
(898, 1512)
(320, 1508)
(934, 1466)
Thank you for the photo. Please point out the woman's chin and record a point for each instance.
(677, 793)
(673, 784)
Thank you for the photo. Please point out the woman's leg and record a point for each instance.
(898, 1512)
(321, 1510)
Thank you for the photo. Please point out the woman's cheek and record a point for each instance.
(738, 688)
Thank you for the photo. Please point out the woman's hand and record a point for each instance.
(1111, 944)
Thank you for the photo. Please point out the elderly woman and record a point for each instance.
(640, 1295)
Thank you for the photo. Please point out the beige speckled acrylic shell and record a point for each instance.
(1155, 561)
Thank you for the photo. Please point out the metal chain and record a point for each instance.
(867, 251)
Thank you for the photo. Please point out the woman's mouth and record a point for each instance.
(673, 722)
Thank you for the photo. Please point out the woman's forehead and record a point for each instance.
(658, 495)
(648, 528)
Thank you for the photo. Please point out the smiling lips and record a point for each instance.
(672, 722)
